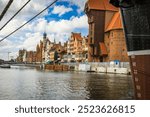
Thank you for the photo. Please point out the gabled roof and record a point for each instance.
(101, 5)
(115, 23)
(77, 36)
(103, 49)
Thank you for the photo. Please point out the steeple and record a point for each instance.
(44, 35)
(54, 41)
(44, 39)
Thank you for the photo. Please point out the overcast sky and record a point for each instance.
(58, 21)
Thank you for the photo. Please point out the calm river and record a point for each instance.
(24, 83)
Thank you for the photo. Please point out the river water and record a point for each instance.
(24, 83)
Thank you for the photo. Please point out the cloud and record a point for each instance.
(67, 26)
(61, 10)
(60, 30)
(79, 3)
(29, 36)
(7, 46)
(32, 39)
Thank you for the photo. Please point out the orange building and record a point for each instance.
(85, 49)
(57, 51)
(30, 56)
(39, 52)
(75, 46)
(76, 43)
(106, 38)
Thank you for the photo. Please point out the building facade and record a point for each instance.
(85, 49)
(21, 55)
(46, 47)
(57, 51)
(30, 56)
(77, 47)
(106, 38)
(115, 40)
(99, 14)
(39, 52)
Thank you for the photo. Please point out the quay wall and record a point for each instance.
(56, 67)
(102, 67)
(99, 67)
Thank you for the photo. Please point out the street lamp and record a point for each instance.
(8, 55)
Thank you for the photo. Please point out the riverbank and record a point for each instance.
(98, 67)
(119, 68)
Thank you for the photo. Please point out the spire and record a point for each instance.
(44, 35)
(54, 41)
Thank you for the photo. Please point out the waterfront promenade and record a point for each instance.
(99, 67)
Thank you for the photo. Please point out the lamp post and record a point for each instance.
(8, 55)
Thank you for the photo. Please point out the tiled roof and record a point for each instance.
(101, 5)
(115, 23)
(103, 49)
(77, 36)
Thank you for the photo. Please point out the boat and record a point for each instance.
(136, 23)
(5, 66)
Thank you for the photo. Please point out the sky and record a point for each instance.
(58, 22)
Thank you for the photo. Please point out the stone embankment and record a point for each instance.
(107, 67)
(57, 67)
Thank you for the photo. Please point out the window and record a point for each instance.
(91, 19)
(108, 35)
(112, 34)
(91, 40)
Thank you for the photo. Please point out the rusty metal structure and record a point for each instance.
(136, 20)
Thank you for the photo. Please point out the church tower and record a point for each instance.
(44, 39)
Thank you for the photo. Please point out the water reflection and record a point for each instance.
(29, 83)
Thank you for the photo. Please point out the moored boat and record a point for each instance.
(136, 20)
(5, 66)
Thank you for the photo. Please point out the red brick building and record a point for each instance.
(30, 56)
(115, 40)
(39, 52)
(106, 39)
